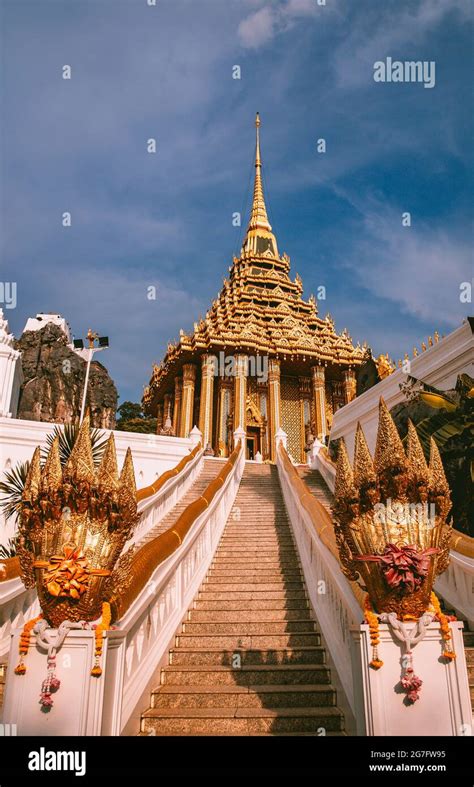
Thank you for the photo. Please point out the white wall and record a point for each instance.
(152, 454)
(438, 366)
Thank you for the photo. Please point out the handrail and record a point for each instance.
(320, 518)
(151, 489)
(9, 568)
(151, 554)
(335, 601)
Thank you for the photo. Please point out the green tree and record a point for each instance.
(133, 419)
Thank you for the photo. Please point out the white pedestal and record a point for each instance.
(79, 702)
(444, 706)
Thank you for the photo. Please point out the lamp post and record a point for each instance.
(88, 353)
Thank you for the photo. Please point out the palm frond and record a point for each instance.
(67, 435)
(9, 549)
(12, 487)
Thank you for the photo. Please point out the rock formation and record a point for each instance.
(54, 377)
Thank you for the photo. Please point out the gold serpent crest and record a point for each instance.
(390, 518)
(74, 523)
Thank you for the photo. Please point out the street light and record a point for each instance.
(87, 353)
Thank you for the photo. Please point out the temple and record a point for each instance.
(261, 359)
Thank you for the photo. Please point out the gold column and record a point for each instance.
(187, 402)
(350, 385)
(274, 414)
(305, 396)
(178, 393)
(223, 410)
(159, 417)
(240, 391)
(206, 402)
(319, 398)
(167, 408)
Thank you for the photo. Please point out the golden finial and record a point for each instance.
(259, 225)
(430, 341)
(439, 487)
(417, 467)
(415, 352)
(344, 484)
(33, 478)
(364, 472)
(52, 475)
(423, 347)
(127, 487)
(436, 337)
(107, 474)
(389, 451)
(80, 464)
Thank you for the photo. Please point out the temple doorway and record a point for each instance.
(253, 442)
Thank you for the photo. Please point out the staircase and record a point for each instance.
(317, 485)
(249, 659)
(210, 469)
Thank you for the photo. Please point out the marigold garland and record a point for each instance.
(104, 625)
(24, 644)
(444, 627)
(373, 621)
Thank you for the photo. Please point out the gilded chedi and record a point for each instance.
(74, 522)
(390, 518)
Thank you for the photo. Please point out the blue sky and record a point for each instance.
(165, 219)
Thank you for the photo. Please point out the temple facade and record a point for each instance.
(261, 359)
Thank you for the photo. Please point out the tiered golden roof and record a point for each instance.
(260, 310)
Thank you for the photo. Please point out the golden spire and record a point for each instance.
(80, 464)
(439, 488)
(418, 469)
(127, 487)
(389, 451)
(33, 478)
(344, 484)
(364, 472)
(258, 225)
(107, 474)
(52, 476)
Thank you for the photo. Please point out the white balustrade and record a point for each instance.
(17, 607)
(456, 586)
(330, 594)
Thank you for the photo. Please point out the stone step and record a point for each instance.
(246, 675)
(251, 605)
(220, 657)
(219, 592)
(243, 721)
(248, 616)
(248, 641)
(243, 696)
(238, 577)
(264, 587)
(253, 571)
(263, 563)
(243, 627)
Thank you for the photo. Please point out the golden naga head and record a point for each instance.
(390, 518)
(73, 524)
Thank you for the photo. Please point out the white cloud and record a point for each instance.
(263, 25)
(418, 268)
(258, 28)
(395, 28)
